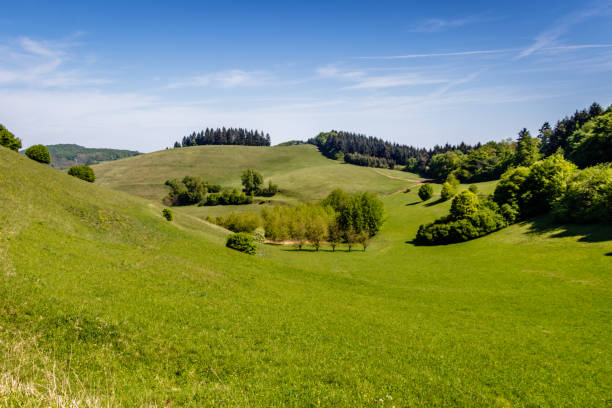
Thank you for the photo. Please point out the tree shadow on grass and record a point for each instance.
(609, 254)
(415, 203)
(438, 201)
(587, 232)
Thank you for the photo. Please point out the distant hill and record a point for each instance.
(66, 155)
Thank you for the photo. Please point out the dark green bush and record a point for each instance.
(83, 172)
(167, 213)
(227, 197)
(426, 192)
(38, 153)
(7, 139)
(242, 242)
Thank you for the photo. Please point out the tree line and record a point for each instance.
(194, 190)
(225, 136)
(584, 137)
(340, 218)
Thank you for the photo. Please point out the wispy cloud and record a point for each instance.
(432, 25)
(547, 38)
(438, 54)
(225, 79)
(361, 80)
(42, 63)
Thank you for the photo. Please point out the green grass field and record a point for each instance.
(104, 303)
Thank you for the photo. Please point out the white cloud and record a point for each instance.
(225, 79)
(432, 25)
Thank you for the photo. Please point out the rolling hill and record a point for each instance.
(104, 303)
(66, 155)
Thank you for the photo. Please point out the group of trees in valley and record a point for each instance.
(553, 184)
(194, 190)
(340, 218)
(225, 136)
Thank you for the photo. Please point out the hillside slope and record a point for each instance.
(300, 171)
(104, 303)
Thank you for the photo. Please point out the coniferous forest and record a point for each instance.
(225, 136)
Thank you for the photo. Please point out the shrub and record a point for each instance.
(38, 153)
(167, 213)
(259, 235)
(7, 139)
(227, 197)
(241, 222)
(83, 172)
(269, 191)
(448, 191)
(465, 204)
(473, 188)
(251, 180)
(510, 188)
(425, 192)
(242, 242)
(588, 197)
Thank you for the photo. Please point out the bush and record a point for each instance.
(269, 191)
(227, 197)
(259, 235)
(473, 188)
(588, 197)
(7, 139)
(241, 222)
(448, 191)
(465, 204)
(167, 213)
(242, 242)
(83, 172)
(39, 153)
(426, 192)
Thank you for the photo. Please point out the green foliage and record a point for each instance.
(270, 190)
(189, 190)
(242, 242)
(592, 143)
(362, 212)
(226, 197)
(241, 221)
(588, 197)
(425, 191)
(251, 181)
(83, 172)
(473, 188)
(449, 187)
(510, 188)
(7, 139)
(527, 149)
(443, 164)
(464, 205)
(468, 219)
(38, 153)
(167, 214)
(259, 235)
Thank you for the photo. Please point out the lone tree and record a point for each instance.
(7, 139)
(83, 172)
(425, 192)
(252, 181)
(39, 153)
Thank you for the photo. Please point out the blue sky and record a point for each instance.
(142, 75)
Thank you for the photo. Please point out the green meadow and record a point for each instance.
(104, 303)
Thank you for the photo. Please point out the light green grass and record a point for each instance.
(119, 307)
(301, 172)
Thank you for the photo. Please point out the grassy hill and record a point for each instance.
(104, 303)
(66, 155)
(301, 172)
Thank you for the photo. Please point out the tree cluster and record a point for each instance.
(83, 172)
(8, 140)
(468, 219)
(552, 185)
(341, 217)
(242, 242)
(368, 161)
(252, 182)
(190, 190)
(225, 136)
(239, 221)
(229, 196)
